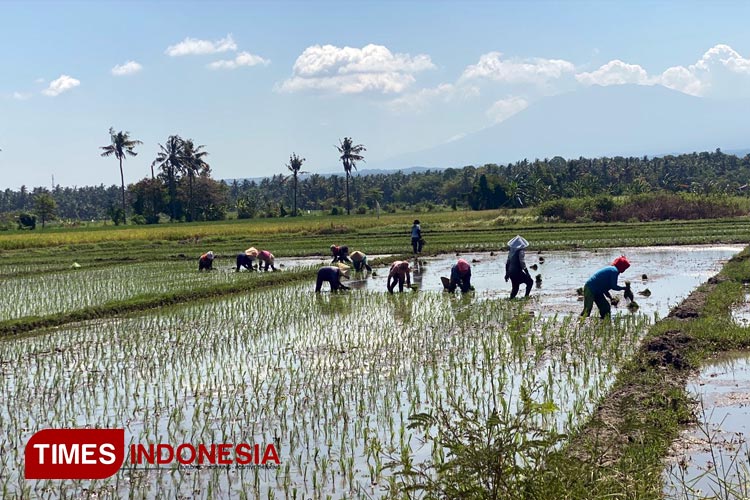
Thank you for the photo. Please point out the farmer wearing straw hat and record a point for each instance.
(460, 277)
(515, 266)
(206, 261)
(340, 254)
(333, 275)
(359, 261)
(247, 259)
(399, 273)
(244, 260)
(596, 290)
(267, 258)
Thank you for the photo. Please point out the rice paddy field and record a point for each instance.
(330, 379)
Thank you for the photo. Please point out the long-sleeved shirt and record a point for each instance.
(462, 280)
(330, 274)
(516, 261)
(604, 280)
(416, 231)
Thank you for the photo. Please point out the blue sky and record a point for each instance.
(256, 81)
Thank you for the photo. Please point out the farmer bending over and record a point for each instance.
(460, 277)
(515, 266)
(246, 261)
(340, 254)
(206, 261)
(399, 273)
(332, 275)
(596, 290)
(359, 261)
(267, 258)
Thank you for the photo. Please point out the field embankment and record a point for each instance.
(619, 453)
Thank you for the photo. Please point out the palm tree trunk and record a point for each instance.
(348, 204)
(192, 212)
(172, 192)
(294, 214)
(122, 181)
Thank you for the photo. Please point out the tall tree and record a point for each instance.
(350, 155)
(44, 206)
(193, 164)
(170, 161)
(294, 166)
(121, 146)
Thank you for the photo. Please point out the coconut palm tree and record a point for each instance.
(192, 165)
(294, 166)
(170, 160)
(350, 154)
(121, 146)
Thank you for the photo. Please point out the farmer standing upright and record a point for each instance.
(515, 266)
(416, 237)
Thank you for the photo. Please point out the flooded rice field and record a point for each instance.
(671, 274)
(329, 379)
(712, 459)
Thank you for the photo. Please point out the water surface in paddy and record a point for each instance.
(672, 273)
(712, 458)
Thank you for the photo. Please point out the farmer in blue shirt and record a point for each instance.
(596, 290)
(416, 237)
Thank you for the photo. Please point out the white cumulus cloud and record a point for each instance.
(129, 68)
(616, 72)
(194, 46)
(242, 59)
(421, 99)
(62, 84)
(492, 66)
(352, 70)
(682, 79)
(505, 108)
(21, 96)
(720, 72)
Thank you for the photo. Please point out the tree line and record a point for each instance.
(184, 190)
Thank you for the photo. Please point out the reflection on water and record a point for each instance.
(671, 274)
(715, 450)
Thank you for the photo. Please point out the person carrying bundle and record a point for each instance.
(596, 290)
(399, 274)
(515, 266)
(359, 261)
(340, 254)
(333, 275)
(206, 261)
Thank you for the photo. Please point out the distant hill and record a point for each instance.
(625, 120)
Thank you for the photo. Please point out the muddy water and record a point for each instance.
(671, 272)
(713, 457)
(741, 312)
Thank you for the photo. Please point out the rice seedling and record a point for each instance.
(330, 379)
(332, 384)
